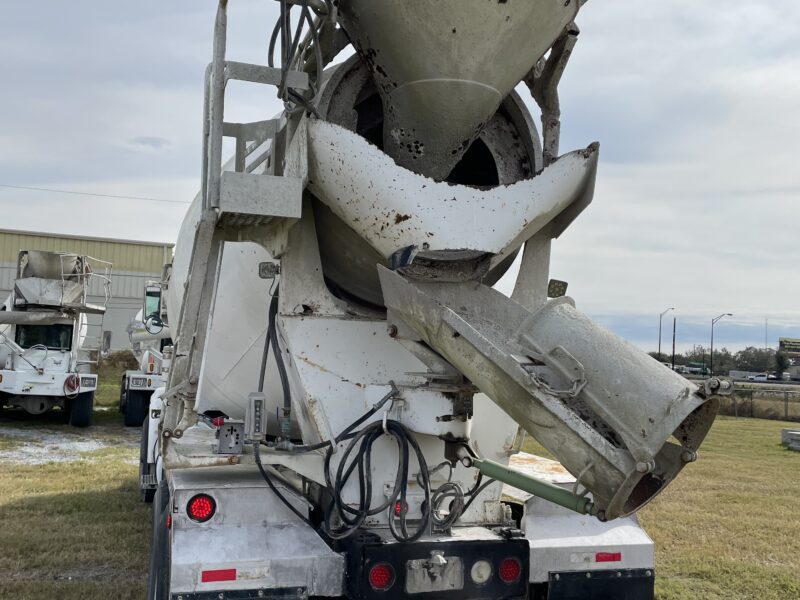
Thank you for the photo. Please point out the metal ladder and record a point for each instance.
(232, 201)
(91, 350)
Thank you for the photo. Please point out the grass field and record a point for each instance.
(728, 528)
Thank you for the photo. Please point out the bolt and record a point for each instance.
(648, 572)
(588, 576)
(167, 433)
(177, 433)
(557, 577)
(688, 456)
(645, 466)
(619, 574)
(392, 331)
(260, 593)
(221, 596)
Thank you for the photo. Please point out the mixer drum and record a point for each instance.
(506, 151)
(443, 67)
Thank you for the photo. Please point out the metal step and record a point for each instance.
(148, 481)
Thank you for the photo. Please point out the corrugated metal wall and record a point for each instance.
(126, 256)
(134, 263)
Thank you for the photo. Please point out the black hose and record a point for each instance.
(281, 497)
(271, 339)
(476, 492)
(265, 354)
(358, 456)
(273, 332)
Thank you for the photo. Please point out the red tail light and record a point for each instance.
(400, 508)
(608, 557)
(381, 577)
(72, 383)
(201, 508)
(169, 521)
(510, 570)
(218, 575)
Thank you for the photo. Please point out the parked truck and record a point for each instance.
(151, 344)
(47, 346)
(348, 396)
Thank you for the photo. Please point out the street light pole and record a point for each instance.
(714, 322)
(660, 317)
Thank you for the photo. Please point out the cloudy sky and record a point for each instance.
(695, 107)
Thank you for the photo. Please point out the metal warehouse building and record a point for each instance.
(133, 264)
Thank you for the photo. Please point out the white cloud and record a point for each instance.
(694, 104)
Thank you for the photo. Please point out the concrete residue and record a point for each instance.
(36, 446)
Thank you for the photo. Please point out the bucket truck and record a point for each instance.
(348, 394)
(45, 359)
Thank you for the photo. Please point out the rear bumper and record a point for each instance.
(257, 594)
(143, 381)
(29, 383)
(413, 578)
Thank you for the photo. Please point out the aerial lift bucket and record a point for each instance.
(443, 67)
(622, 423)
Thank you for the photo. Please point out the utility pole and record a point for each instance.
(674, 327)
(714, 322)
(660, 317)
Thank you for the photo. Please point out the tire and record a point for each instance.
(136, 408)
(123, 395)
(80, 409)
(147, 494)
(158, 576)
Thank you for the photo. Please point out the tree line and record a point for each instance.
(758, 360)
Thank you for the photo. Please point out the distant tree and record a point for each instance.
(754, 359)
(782, 363)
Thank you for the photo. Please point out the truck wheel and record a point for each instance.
(146, 493)
(158, 577)
(136, 408)
(123, 396)
(80, 409)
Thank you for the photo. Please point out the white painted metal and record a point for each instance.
(562, 541)
(393, 208)
(251, 532)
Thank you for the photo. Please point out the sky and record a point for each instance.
(695, 107)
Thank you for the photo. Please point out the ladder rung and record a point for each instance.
(266, 75)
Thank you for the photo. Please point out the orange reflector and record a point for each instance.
(608, 557)
(218, 575)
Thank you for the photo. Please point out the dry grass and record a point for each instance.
(728, 527)
(108, 378)
(73, 529)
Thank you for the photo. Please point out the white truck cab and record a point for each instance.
(45, 354)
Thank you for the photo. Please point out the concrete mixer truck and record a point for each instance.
(151, 344)
(46, 358)
(348, 393)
